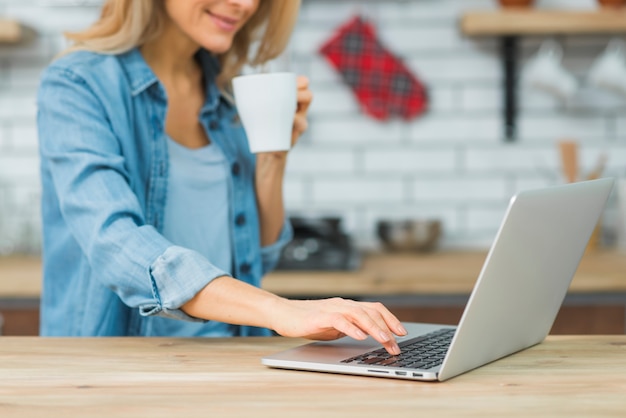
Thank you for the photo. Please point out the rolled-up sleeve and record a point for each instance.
(170, 294)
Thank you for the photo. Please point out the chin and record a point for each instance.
(217, 46)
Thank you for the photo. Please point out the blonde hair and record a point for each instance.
(126, 24)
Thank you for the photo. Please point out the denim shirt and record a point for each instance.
(104, 169)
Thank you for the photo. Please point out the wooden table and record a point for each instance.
(153, 377)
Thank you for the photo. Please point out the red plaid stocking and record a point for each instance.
(382, 83)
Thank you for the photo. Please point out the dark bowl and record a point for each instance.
(409, 235)
(516, 3)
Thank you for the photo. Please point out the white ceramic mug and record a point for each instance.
(545, 72)
(608, 72)
(267, 104)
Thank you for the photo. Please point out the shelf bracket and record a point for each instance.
(509, 46)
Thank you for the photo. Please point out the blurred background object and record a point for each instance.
(10, 31)
(319, 243)
(612, 3)
(569, 151)
(545, 72)
(569, 160)
(598, 169)
(621, 204)
(516, 3)
(453, 163)
(419, 235)
(608, 71)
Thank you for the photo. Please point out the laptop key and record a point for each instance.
(418, 365)
(372, 360)
(428, 349)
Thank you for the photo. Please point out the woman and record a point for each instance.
(154, 210)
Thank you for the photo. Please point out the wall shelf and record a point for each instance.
(509, 25)
(542, 22)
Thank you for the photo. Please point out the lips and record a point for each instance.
(223, 22)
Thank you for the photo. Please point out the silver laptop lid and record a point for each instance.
(527, 273)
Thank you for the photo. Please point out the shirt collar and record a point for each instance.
(141, 76)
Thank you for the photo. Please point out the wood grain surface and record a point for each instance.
(156, 377)
(543, 22)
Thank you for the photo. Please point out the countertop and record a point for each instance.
(565, 376)
(381, 274)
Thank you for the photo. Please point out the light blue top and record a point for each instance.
(196, 209)
(197, 217)
(107, 268)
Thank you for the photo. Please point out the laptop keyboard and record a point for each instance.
(424, 352)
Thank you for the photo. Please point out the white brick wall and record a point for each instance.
(450, 163)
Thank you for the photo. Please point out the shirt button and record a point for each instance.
(245, 268)
(213, 125)
(236, 168)
(240, 219)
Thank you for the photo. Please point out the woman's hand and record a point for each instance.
(226, 299)
(329, 319)
(305, 97)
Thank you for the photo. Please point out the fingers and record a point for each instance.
(304, 95)
(329, 319)
(304, 98)
(341, 324)
(372, 319)
(302, 82)
(390, 319)
(300, 124)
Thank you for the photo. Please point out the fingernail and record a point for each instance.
(360, 334)
(384, 337)
(395, 349)
(402, 330)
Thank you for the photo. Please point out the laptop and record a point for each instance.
(515, 300)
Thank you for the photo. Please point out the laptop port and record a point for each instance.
(418, 375)
(401, 373)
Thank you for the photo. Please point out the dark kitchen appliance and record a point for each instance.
(319, 244)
